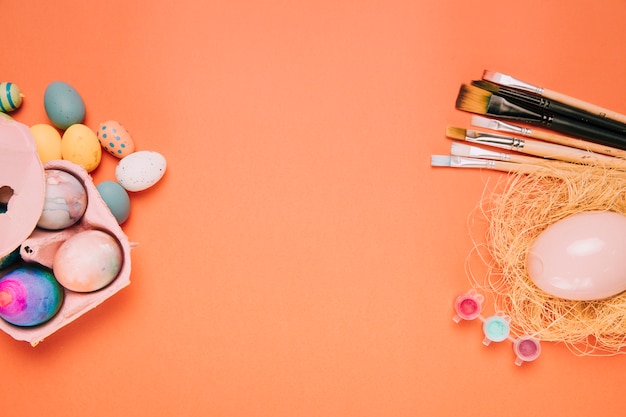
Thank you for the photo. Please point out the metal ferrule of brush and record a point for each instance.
(495, 140)
(465, 162)
(506, 127)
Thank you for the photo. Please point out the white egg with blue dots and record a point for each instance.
(115, 139)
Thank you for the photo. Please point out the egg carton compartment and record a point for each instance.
(41, 246)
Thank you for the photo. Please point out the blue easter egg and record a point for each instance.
(63, 105)
(116, 198)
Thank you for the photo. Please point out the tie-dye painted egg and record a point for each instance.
(29, 296)
(115, 139)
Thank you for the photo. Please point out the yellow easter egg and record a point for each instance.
(48, 142)
(80, 145)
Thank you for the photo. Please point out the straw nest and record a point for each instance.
(517, 210)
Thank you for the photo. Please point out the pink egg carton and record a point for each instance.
(41, 245)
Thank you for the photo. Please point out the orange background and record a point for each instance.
(300, 257)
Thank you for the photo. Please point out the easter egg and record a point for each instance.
(10, 259)
(88, 261)
(48, 142)
(80, 145)
(65, 201)
(581, 257)
(10, 97)
(29, 296)
(115, 139)
(140, 170)
(116, 198)
(63, 105)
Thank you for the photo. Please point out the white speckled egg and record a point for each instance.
(115, 139)
(140, 170)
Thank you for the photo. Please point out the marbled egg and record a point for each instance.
(80, 145)
(10, 97)
(63, 105)
(140, 170)
(88, 261)
(582, 257)
(115, 139)
(65, 203)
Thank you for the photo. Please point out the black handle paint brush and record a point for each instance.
(548, 106)
(478, 101)
(509, 81)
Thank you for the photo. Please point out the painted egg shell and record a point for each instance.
(80, 145)
(10, 97)
(140, 170)
(582, 257)
(115, 139)
(88, 261)
(48, 142)
(65, 203)
(63, 105)
(29, 296)
(116, 198)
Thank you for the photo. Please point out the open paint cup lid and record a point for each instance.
(22, 185)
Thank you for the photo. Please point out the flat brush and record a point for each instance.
(509, 81)
(499, 125)
(476, 100)
(548, 106)
(461, 149)
(465, 162)
(534, 147)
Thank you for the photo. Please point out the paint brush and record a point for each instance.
(471, 151)
(476, 100)
(534, 147)
(501, 126)
(466, 162)
(548, 106)
(509, 81)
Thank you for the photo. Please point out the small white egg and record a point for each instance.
(140, 170)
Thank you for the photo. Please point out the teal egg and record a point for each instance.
(116, 198)
(63, 105)
(10, 259)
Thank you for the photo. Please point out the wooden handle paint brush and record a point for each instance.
(471, 151)
(503, 166)
(509, 81)
(499, 125)
(535, 147)
(476, 100)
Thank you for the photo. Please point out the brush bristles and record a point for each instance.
(494, 77)
(461, 149)
(456, 132)
(440, 160)
(486, 85)
(480, 121)
(473, 99)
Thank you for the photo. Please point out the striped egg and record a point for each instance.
(10, 97)
(115, 139)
